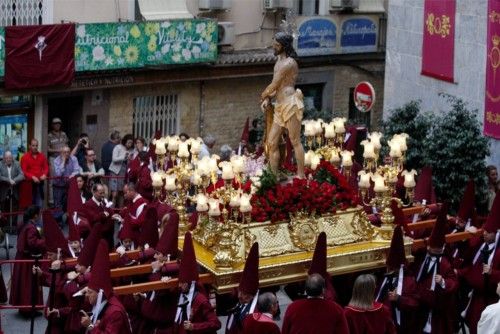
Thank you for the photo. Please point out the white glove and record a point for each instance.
(72, 275)
(165, 279)
(121, 250)
(117, 217)
(471, 229)
(146, 246)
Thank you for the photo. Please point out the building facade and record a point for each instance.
(403, 82)
(338, 47)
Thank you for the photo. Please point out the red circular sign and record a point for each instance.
(364, 96)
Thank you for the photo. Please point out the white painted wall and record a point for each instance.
(403, 81)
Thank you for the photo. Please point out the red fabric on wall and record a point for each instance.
(439, 39)
(492, 102)
(39, 56)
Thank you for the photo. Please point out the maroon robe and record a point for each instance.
(258, 323)
(407, 304)
(112, 319)
(132, 215)
(29, 241)
(440, 301)
(144, 182)
(133, 170)
(376, 320)
(61, 303)
(314, 315)
(472, 274)
(203, 317)
(73, 315)
(97, 213)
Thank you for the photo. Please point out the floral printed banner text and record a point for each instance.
(107, 46)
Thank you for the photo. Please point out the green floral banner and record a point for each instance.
(2, 51)
(107, 46)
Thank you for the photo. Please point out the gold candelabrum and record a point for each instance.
(385, 179)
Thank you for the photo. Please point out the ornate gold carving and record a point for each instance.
(303, 231)
(272, 229)
(362, 226)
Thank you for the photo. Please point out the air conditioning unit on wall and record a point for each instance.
(226, 33)
(214, 4)
(275, 4)
(344, 4)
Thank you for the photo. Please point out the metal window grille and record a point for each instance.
(152, 113)
(21, 12)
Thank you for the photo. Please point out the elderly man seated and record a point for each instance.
(10, 177)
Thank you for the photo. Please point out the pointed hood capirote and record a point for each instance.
(397, 255)
(249, 282)
(492, 224)
(424, 190)
(318, 263)
(149, 231)
(90, 244)
(438, 234)
(54, 237)
(100, 278)
(468, 202)
(188, 269)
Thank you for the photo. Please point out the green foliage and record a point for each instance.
(268, 180)
(410, 120)
(456, 150)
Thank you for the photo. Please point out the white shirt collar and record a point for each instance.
(136, 198)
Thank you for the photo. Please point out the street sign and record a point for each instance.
(364, 96)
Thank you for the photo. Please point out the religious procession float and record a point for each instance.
(238, 202)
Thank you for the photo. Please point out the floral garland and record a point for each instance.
(325, 190)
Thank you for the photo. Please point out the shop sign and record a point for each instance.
(317, 36)
(109, 46)
(358, 35)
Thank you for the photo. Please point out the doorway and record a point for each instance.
(69, 110)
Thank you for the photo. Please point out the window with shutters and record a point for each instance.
(23, 12)
(153, 113)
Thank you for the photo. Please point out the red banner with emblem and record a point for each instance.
(39, 56)
(492, 101)
(438, 46)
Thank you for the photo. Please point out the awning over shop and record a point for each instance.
(163, 10)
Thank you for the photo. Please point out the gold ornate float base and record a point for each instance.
(286, 247)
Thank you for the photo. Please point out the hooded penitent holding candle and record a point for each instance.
(194, 312)
(248, 292)
(481, 267)
(436, 282)
(108, 314)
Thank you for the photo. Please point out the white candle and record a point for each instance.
(401, 139)
(203, 166)
(395, 149)
(329, 130)
(160, 146)
(196, 178)
(364, 179)
(409, 176)
(173, 143)
(195, 146)
(379, 183)
(183, 150)
(346, 158)
(334, 156)
(375, 139)
(317, 126)
(315, 160)
(201, 203)
(238, 163)
(245, 203)
(339, 124)
(307, 157)
(156, 179)
(212, 164)
(235, 200)
(308, 128)
(227, 170)
(170, 183)
(214, 209)
(369, 151)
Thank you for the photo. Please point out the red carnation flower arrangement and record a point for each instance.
(325, 190)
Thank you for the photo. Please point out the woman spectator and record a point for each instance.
(122, 154)
(363, 314)
(81, 182)
(30, 245)
(493, 184)
(134, 164)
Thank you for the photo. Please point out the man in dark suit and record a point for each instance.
(10, 177)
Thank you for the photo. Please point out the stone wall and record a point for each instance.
(403, 81)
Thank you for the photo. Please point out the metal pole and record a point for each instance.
(34, 292)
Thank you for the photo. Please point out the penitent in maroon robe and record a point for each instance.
(314, 315)
(376, 320)
(144, 182)
(29, 242)
(259, 323)
(203, 317)
(472, 274)
(441, 301)
(113, 319)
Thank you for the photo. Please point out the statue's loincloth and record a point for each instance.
(283, 112)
